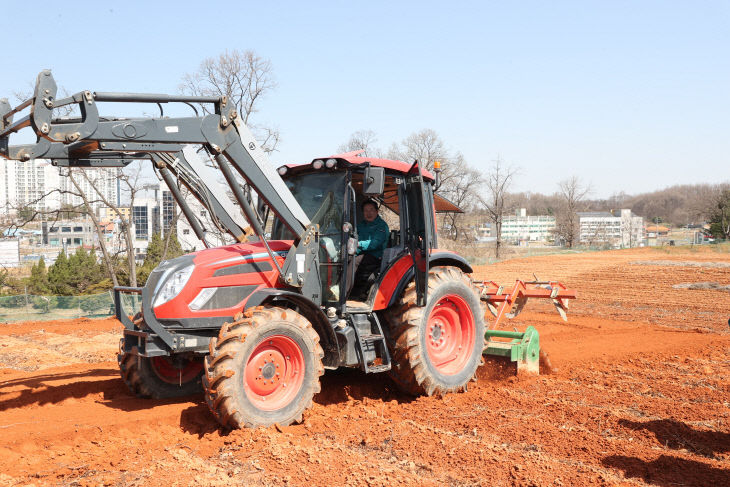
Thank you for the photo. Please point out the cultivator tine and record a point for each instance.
(517, 307)
(561, 307)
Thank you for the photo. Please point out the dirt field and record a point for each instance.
(641, 396)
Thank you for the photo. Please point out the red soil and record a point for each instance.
(641, 396)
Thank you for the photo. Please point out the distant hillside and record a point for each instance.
(677, 205)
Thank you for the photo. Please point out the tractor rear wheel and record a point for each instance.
(263, 369)
(436, 349)
(160, 377)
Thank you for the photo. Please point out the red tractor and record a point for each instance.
(260, 345)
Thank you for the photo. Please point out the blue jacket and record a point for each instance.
(372, 237)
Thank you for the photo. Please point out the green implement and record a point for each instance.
(523, 349)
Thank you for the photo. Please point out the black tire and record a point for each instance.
(160, 377)
(238, 368)
(414, 369)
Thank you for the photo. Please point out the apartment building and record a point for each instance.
(28, 184)
(617, 228)
(99, 184)
(521, 227)
(39, 185)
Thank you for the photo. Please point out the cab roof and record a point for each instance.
(354, 158)
(390, 198)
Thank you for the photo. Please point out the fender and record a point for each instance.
(307, 308)
(403, 273)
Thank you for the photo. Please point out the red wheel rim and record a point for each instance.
(176, 371)
(274, 373)
(450, 334)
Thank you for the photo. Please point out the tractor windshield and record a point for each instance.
(322, 198)
(321, 195)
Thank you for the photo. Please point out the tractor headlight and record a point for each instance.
(330, 163)
(317, 164)
(173, 285)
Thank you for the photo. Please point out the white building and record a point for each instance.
(106, 181)
(145, 223)
(32, 184)
(69, 234)
(28, 184)
(9, 252)
(620, 229)
(522, 227)
(185, 234)
(155, 213)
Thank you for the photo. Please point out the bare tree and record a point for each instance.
(459, 186)
(133, 183)
(496, 184)
(459, 181)
(242, 76)
(630, 230)
(97, 226)
(572, 193)
(361, 140)
(597, 234)
(424, 146)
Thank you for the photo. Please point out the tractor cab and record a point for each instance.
(332, 190)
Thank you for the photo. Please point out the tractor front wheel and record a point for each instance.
(263, 368)
(160, 377)
(436, 349)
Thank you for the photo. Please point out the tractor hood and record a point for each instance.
(214, 282)
(220, 256)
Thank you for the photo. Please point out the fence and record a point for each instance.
(27, 307)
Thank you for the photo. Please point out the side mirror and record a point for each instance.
(374, 182)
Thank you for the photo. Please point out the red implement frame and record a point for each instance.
(510, 304)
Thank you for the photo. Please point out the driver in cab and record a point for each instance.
(372, 234)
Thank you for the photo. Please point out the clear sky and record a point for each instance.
(628, 95)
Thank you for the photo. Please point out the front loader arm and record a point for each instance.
(95, 141)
